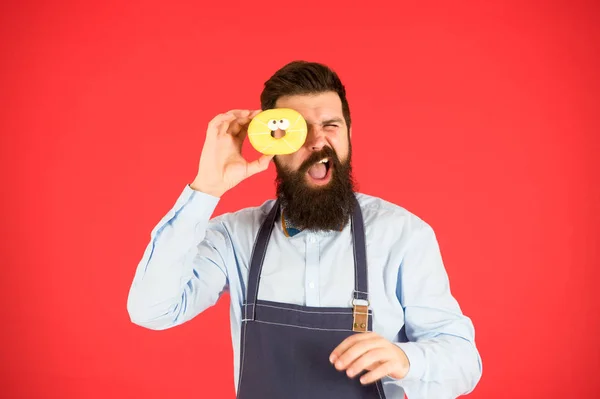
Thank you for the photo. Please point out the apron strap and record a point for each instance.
(256, 261)
(360, 300)
(361, 283)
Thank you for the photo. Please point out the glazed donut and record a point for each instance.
(264, 125)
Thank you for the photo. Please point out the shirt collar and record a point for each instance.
(290, 230)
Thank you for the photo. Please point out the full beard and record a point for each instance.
(317, 208)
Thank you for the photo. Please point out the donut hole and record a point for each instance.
(277, 134)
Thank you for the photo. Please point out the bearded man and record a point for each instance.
(334, 293)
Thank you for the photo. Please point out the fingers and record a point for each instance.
(241, 118)
(254, 113)
(241, 121)
(366, 348)
(232, 122)
(259, 165)
(347, 344)
(368, 361)
(219, 124)
(378, 373)
(370, 351)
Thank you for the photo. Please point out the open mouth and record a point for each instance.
(320, 172)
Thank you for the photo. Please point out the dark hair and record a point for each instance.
(303, 77)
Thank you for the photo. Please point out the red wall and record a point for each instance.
(480, 118)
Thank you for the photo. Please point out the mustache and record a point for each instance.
(326, 152)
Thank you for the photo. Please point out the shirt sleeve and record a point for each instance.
(182, 271)
(444, 361)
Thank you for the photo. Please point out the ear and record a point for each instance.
(350, 133)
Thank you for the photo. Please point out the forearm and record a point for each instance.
(173, 281)
(444, 360)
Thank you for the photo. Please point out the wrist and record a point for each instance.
(198, 186)
(402, 365)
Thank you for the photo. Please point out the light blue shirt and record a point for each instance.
(192, 258)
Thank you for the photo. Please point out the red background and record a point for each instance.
(480, 118)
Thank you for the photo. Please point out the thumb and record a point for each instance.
(259, 165)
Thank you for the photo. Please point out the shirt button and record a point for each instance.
(311, 285)
(311, 239)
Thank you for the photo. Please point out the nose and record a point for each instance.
(315, 139)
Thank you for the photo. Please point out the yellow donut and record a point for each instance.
(287, 120)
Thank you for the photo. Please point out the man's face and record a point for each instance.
(314, 183)
(326, 128)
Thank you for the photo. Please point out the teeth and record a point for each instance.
(323, 160)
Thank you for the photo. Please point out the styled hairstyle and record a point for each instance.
(303, 77)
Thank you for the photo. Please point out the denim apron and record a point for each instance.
(285, 348)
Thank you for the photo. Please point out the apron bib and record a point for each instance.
(285, 348)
